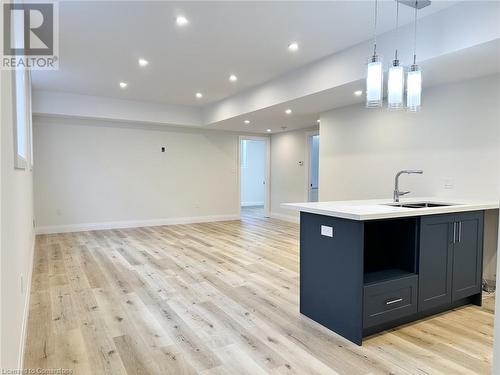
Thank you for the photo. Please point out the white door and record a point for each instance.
(254, 172)
(313, 168)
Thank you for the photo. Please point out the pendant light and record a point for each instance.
(374, 73)
(395, 82)
(414, 78)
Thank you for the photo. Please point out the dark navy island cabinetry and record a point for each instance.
(451, 252)
(362, 277)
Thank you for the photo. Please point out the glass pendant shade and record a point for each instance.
(395, 86)
(374, 82)
(414, 88)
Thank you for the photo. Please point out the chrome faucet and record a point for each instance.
(398, 193)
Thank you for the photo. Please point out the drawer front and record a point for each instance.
(389, 300)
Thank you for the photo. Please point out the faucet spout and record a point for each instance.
(397, 192)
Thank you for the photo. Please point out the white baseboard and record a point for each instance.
(51, 229)
(290, 218)
(248, 204)
(27, 288)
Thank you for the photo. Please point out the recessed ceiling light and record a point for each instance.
(123, 84)
(288, 111)
(358, 92)
(233, 78)
(143, 62)
(247, 122)
(318, 121)
(293, 46)
(268, 130)
(181, 20)
(199, 95)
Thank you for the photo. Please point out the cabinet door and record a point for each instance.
(436, 261)
(468, 255)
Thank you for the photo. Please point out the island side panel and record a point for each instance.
(331, 274)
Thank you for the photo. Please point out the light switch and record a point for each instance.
(448, 183)
(326, 231)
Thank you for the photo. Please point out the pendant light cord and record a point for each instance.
(375, 30)
(397, 27)
(415, 36)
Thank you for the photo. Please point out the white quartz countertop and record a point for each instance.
(378, 208)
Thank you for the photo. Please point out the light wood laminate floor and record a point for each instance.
(215, 298)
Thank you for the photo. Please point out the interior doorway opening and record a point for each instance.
(313, 175)
(254, 173)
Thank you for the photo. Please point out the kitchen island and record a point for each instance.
(367, 266)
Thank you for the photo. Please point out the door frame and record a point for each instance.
(309, 135)
(267, 171)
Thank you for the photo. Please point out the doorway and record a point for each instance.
(254, 176)
(313, 167)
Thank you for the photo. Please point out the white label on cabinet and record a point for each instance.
(326, 231)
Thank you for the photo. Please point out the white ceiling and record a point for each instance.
(100, 43)
(478, 61)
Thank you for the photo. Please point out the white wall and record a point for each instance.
(95, 174)
(95, 107)
(253, 169)
(456, 136)
(288, 178)
(17, 237)
(454, 139)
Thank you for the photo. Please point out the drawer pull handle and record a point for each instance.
(393, 301)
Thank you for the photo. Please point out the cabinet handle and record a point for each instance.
(460, 231)
(393, 301)
(454, 231)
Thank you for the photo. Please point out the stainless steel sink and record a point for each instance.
(419, 204)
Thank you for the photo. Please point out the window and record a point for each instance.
(30, 116)
(20, 120)
(21, 87)
(23, 131)
(22, 117)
